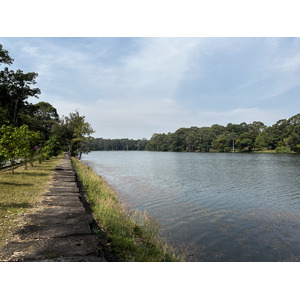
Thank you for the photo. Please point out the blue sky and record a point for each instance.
(134, 87)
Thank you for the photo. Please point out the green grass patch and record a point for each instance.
(20, 191)
(133, 235)
(265, 151)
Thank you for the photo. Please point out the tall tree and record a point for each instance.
(41, 117)
(15, 90)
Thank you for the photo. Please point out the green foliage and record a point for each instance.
(27, 143)
(41, 117)
(246, 140)
(10, 147)
(17, 143)
(101, 144)
(24, 125)
(49, 149)
(35, 124)
(74, 133)
(15, 88)
(224, 143)
(4, 56)
(238, 137)
(260, 143)
(282, 149)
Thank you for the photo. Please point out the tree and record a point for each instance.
(190, 141)
(155, 142)
(74, 133)
(295, 120)
(41, 117)
(245, 142)
(260, 143)
(9, 144)
(223, 143)
(4, 56)
(237, 129)
(15, 88)
(178, 140)
(18, 143)
(50, 148)
(28, 140)
(257, 127)
(205, 137)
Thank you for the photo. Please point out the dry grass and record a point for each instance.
(20, 191)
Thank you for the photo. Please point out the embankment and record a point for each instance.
(79, 218)
(132, 235)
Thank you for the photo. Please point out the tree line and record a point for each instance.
(101, 144)
(30, 132)
(282, 137)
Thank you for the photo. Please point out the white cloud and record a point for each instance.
(278, 72)
(154, 70)
(239, 115)
(134, 119)
(130, 88)
(136, 93)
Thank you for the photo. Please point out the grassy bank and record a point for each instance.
(20, 191)
(133, 236)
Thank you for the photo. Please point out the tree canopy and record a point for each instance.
(75, 133)
(284, 136)
(124, 144)
(35, 131)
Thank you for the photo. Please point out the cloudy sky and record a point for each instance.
(134, 87)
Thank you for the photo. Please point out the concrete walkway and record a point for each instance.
(59, 229)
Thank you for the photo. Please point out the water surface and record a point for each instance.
(216, 206)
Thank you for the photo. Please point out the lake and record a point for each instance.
(213, 206)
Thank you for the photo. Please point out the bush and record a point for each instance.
(282, 149)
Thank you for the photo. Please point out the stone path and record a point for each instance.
(59, 229)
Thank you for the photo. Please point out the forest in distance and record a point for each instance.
(282, 137)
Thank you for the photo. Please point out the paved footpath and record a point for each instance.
(59, 229)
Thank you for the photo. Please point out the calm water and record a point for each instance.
(215, 206)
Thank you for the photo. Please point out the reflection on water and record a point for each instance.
(217, 207)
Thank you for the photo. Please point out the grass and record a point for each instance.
(20, 191)
(265, 151)
(133, 235)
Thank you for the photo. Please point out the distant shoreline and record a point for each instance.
(236, 152)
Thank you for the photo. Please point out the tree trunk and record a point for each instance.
(12, 163)
(15, 111)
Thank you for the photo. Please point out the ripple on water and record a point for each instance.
(221, 207)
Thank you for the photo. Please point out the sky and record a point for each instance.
(134, 87)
